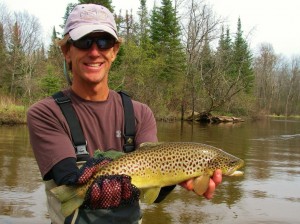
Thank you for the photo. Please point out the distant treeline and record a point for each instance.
(175, 57)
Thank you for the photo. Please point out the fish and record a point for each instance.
(156, 165)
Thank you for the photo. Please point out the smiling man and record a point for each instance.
(90, 46)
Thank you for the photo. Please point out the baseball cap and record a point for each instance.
(89, 18)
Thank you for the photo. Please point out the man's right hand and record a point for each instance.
(111, 191)
(107, 191)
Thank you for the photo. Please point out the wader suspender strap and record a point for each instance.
(68, 111)
(129, 128)
(78, 139)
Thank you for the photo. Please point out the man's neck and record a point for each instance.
(92, 93)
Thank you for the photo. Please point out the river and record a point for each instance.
(267, 193)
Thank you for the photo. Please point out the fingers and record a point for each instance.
(213, 183)
(189, 184)
(210, 190)
(200, 184)
(111, 191)
(217, 177)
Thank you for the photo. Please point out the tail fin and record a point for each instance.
(70, 198)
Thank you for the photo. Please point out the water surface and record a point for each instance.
(267, 193)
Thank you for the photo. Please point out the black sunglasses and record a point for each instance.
(85, 43)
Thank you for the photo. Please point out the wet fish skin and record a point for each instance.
(155, 165)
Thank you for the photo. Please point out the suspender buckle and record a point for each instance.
(63, 99)
(81, 153)
(128, 144)
(81, 150)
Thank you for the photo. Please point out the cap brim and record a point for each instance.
(81, 31)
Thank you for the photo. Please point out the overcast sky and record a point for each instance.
(270, 21)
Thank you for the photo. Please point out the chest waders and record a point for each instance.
(83, 216)
(78, 139)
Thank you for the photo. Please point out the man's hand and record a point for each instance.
(107, 191)
(203, 186)
(111, 191)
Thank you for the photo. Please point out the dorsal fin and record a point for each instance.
(150, 144)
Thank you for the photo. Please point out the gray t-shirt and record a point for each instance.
(102, 124)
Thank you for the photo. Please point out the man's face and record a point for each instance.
(91, 66)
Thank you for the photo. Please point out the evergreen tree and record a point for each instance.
(55, 58)
(242, 60)
(143, 25)
(224, 50)
(105, 3)
(50, 83)
(54, 53)
(165, 29)
(155, 26)
(69, 9)
(3, 58)
(207, 62)
(165, 37)
(232, 71)
(168, 54)
(16, 56)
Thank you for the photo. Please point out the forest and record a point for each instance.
(178, 57)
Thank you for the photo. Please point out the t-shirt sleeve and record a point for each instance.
(146, 130)
(49, 135)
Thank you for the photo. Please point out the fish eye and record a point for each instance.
(232, 163)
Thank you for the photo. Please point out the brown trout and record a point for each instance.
(156, 165)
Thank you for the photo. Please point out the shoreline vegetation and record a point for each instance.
(171, 64)
(14, 114)
(11, 113)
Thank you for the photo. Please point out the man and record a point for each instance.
(90, 45)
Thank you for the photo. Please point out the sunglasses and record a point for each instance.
(103, 43)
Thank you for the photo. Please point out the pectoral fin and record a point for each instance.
(201, 184)
(149, 195)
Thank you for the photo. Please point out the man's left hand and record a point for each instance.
(198, 184)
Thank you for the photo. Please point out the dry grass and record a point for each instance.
(10, 112)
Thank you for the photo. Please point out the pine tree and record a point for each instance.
(155, 26)
(16, 56)
(3, 58)
(165, 29)
(69, 9)
(143, 25)
(224, 52)
(105, 3)
(242, 60)
(168, 55)
(207, 62)
(165, 37)
(54, 53)
(232, 73)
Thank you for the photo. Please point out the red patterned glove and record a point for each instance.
(111, 191)
(90, 168)
(106, 192)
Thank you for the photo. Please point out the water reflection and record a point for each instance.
(270, 149)
(21, 187)
(267, 193)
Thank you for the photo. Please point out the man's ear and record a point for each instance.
(116, 49)
(66, 52)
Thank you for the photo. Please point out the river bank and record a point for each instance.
(12, 114)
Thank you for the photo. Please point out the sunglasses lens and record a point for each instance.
(84, 43)
(105, 43)
(102, 43)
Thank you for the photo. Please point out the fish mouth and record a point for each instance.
(234, 171)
